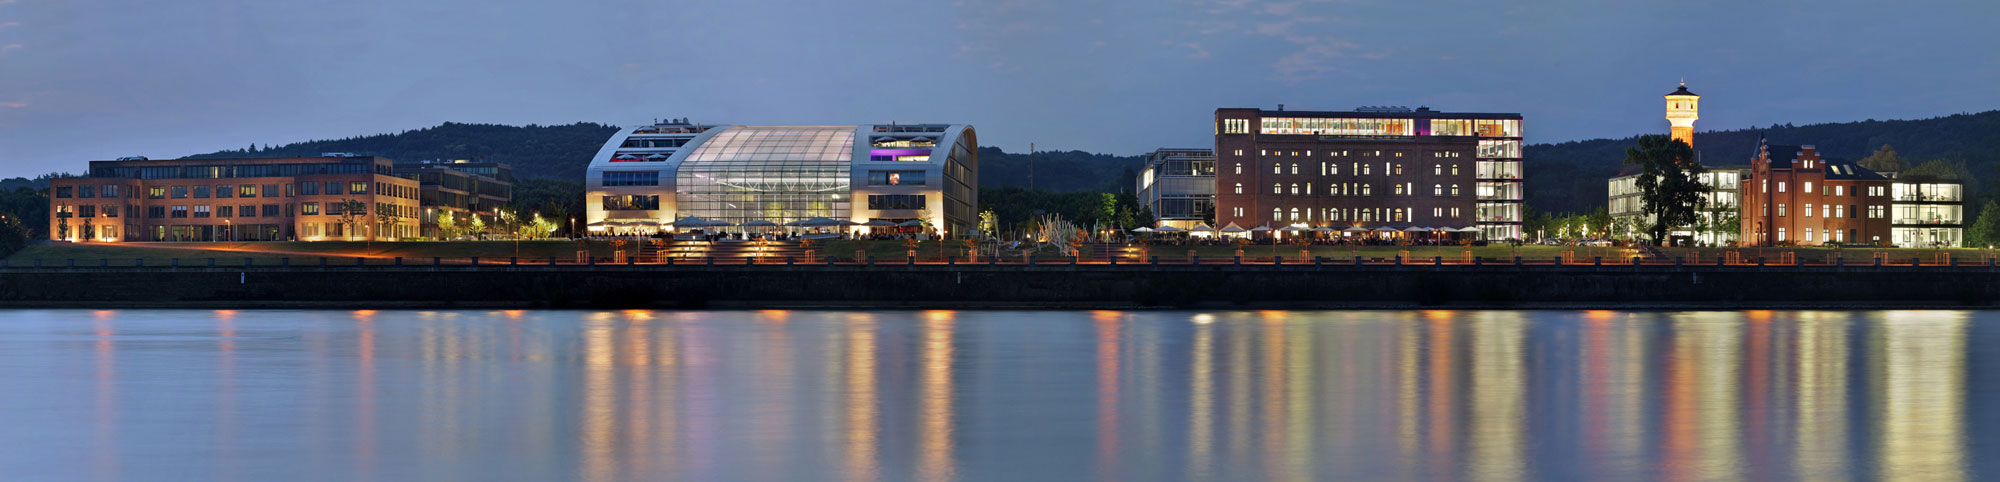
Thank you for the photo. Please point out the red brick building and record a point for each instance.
(233, 200)
(1371, 167)
(1793, 196)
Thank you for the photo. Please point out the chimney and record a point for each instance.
(1281, 107)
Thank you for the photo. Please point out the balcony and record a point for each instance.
(1929, 221)
(1924, 198)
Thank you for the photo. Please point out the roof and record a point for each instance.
(1420, 113)
(1781, 156)
(1844, 170)
(1682, 91)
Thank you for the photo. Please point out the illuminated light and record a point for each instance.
(638, 315)
(1599, 315)
(940, 315)
(513, 314)
(1203, 319)
(1437, 315)
(775, 315)
(364, 315)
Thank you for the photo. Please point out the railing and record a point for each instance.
(809, 258)
(1931, 221)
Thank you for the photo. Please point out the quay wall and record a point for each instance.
(1003, 286)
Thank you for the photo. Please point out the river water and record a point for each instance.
(997, 395)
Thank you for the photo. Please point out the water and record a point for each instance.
(778, 395)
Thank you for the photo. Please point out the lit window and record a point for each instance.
(1809, 210)
(1437, 169)
(1295, 168)
(1781, 210)
(1277, 188)
(1239, 166)
(1454, 190)
(1808, 189)
(1781, 187)
(1295, 188)
(1277, 169)
(1239, 188)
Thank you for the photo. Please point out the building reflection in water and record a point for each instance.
(1918, 372)
(783, 395)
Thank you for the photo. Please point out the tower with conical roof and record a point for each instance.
(1682, 110)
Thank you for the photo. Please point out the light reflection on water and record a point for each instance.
(944, 395)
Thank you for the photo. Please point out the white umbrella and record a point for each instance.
(1202, 228)
(1295, 229)
(879, 222)
(1324, 229)
(1355, 229)
(720, 223)
(820, 222)
(1232, 228)
(691, 222)
(1386, 230)
(1469, 229)
(1167, 229)
(1415, 229)
(1260, 229)
(1143, 230)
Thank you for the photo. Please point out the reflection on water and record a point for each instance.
(944, 395)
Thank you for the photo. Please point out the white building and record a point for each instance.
(655, 174)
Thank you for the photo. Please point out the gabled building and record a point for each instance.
(1793, 196)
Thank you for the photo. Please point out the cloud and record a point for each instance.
(14, 105)
(1199, 52)
(1316, 56)
(5, 48)
(4, 26)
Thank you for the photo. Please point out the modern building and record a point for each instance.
(461, 188)
(1628, 207)
(652, 175)
(1178, 185)
(1382, 166)
(1927, 211)
(265, 199)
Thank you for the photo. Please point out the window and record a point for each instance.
(333, 188)
(180, 192)
(225, 211)
(896, 201)
(1808, 188)
(1277, 188)
(1239, 165)
(270, 210)
(86, 191)
(1877, 212)
(357, 187)
(1840, 190)
(201, 211)
(309, 189)
(1277, 169)
(1366, 190)
(1277, 214)
(1454, 169)
(247, 210)
(1437, 169)
(335, 209)
(1825, 210)
(1781, 210)
(180, 211)
(111, 210)
(246, 190)
(1295, 168)
(309, 209)
(1399, 189)
(110, 190)
(200, 192)
(156, 212)
(225, 191)
(1764, 210)
(271, 190)
(631, 178)
(86, 211)
(1809, 210)
(1437, 189)
(1781, 186)
(1781, 234)
(896, 178)
(1295, 214)
(1806, 234)
(1295, 188)
(1239, 188)
(1764, 185)
(63, 192)
(1236, 126)
(1454, 190)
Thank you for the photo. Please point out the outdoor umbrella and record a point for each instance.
(1355, 229)
(821, 222)
(1296, 229)
(719, 223)
(1167, 229)
(1232, 228)
(1415, 229)
(1143, 230)
(910, 224)
(879, 222)
(1386, 229)
(691, 222)
(1469, 229)
(760, 223)
(1261, 228)
(1203, 228)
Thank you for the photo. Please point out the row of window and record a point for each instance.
(253, 170)
(86, 192)
(1825, 190)
(1831, 211)
(1825, 235)
(265, 190)
(631, 178)
(1351, 214)
(253, 210)
(1357, 168)
(1361, 189)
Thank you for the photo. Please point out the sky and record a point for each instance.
(88, 80)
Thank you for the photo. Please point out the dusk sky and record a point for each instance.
(91, 79)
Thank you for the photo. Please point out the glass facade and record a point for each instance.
(778, 174)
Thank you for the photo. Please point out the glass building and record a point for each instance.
(1179, 186)
(646, 177)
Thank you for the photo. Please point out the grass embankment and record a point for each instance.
(300, 253)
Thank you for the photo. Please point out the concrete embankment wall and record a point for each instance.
(963, 286)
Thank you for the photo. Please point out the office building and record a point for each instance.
(647, 177)
(1178, 186)
(334, 196)
(460, 188)
(1627, 206)
(1381, 166)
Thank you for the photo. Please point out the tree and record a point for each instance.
(350, 214)
(1668, 185)
(988, 223)
(1601, 221)
(447, 225)
(476, 227)
(1208, 213)
(389, 220)
(1883, 160)
(1986, 230)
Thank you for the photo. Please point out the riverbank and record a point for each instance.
(1300, 286)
